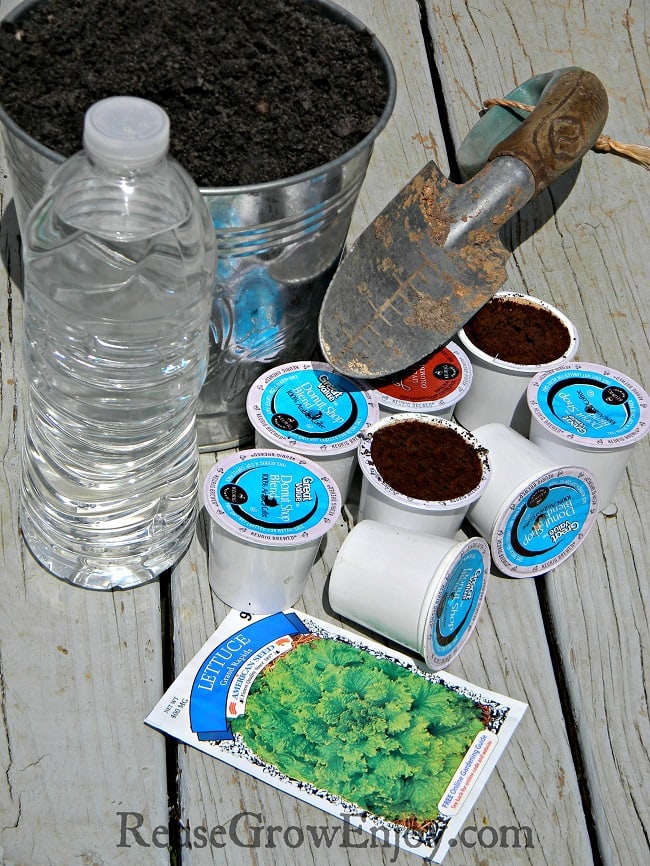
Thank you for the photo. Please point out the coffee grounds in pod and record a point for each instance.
(420, 472)
(513, 337)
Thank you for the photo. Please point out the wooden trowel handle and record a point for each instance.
(562, 128)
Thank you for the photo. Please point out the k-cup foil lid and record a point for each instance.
(437, 384)
(271, 498)
(590, 405)
(544, 520)
(310, 408)
(456, 598)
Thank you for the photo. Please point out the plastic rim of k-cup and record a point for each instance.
(424, 592)
(434, 387)
(308, 408)
(269, 511)
(590, 414)
(534, 511)
(498, 390)
(380, 501)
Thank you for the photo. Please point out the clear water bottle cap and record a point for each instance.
(126, 131)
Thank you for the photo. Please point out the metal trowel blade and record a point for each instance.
(422, 268)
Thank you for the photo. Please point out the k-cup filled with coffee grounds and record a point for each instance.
(308, 408)
(535, 511)
(422, 591)
(269, 511)
(420, 472)
(433, 387)
(590, 414)
(509, 340)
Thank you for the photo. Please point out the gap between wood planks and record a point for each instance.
(171, 746)
(568, 716)
(438, 91)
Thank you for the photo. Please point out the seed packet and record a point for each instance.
(341, 722)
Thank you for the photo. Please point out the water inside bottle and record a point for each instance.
(116, 341)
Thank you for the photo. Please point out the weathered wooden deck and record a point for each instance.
(80, 670)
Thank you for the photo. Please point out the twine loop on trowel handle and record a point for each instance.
(636, 152)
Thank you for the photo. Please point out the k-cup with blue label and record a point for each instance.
(269, 511)
(589, 414)
(308, 408)
(423, 591)
(535, 511)
(433, 387)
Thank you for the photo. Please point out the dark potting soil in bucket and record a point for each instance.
(256, 90)
(517, 332)
(426, 461)
(275, 106)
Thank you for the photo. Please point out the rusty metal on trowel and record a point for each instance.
(433, 257)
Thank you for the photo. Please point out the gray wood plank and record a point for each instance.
(585, 252)
(79, 670)
(535, 788)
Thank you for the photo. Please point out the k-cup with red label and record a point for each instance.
(269, 511)
(433, 387)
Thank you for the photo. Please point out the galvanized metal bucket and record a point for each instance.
(278, 245)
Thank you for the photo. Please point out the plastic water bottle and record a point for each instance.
(119, 267)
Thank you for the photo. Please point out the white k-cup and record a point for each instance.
(535, 510)
(380, 500)
(269, 511)
(306, 407)
(498, 390)
(423, 591)
(592, 415)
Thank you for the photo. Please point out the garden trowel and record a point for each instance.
(433, 257)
